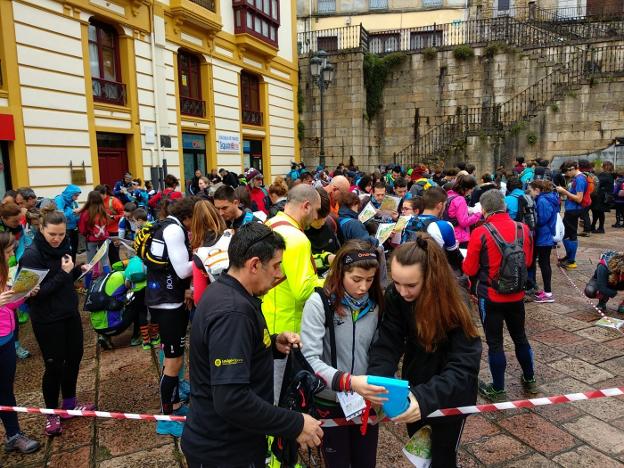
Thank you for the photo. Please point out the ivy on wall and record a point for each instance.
(376, 70)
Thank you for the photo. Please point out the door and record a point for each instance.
(253, 154)
(5, 170)
(112, 157)
(194, 155)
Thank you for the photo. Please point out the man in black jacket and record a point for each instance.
(231, 364)
(229, 178)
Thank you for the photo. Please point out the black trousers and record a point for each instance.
(543, 258)
(570, 223)
(598, 217)
(73, 240)
(445, 437)
(61, 344)
(7, 396)
(586, 220)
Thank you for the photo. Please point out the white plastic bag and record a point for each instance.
(559, 229)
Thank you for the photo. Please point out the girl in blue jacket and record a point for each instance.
(546, 208)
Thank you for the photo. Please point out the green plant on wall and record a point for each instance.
(491, 49)
(300, 124)
(517, 127)
(430, 53)
(554, 107)
(531, 138)
(376, 70)
(300, 130)
(463, 52)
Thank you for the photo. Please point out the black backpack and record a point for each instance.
(512, 275)
(445, 214)
(97, 299)
(526, 211)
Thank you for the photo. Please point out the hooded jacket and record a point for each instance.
(458, 210)
(352, 228)
(7, 320)
(546, 207)
(65, 203)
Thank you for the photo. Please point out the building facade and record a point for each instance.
(314, 15)
(90, 89)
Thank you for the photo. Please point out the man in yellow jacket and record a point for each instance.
(283, 305)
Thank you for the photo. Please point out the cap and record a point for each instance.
(253, 174)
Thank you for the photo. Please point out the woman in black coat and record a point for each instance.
(54, 315)
(433, 329)
(602, 199)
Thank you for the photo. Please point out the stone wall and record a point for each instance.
(421, 93)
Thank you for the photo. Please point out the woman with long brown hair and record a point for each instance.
(352, 297)
(93, 226)
(207, 228)
(426, 321)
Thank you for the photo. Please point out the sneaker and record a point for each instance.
(136, 341)
(184, 390)
(530, 385)
(21, 352)
(620, 308)
(147, 346)
(53, 425)
(105, 342)
(79, 407)
(155, 341)
(22, 316)
(598, 231)
(602, 306)
(173, 428)
(562, 260)
(488, 392)
(20, 443)
(570, 266)
(542, 297)
(584, 234)
(617, 225)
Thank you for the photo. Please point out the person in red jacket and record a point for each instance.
(484, 261)
(114, 210)
(170, 193)
(259, 196)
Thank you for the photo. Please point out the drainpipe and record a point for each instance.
(159, 157)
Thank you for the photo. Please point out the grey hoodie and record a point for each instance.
(353, 341)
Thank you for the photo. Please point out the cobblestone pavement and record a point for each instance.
(571, 355)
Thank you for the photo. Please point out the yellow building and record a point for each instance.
(377, 15)
(90, 89)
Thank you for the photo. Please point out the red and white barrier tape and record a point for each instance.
(600, 312)
(532, 403)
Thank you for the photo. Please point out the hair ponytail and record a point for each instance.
(435, 312)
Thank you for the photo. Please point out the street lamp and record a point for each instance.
(322, 72)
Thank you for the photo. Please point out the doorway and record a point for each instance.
(112, 157)
(252, 149)
(5, 168)
(194, 155)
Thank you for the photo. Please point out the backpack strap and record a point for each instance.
(329, 324)
(498, 240)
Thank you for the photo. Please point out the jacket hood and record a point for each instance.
(70, 191)
(346, 212)
(551, 198)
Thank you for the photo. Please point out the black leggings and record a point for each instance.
(73, 240)
(62, 347)
(619, 213)
(7, 396)
(445, 437)
(598, 216)
(543, 258)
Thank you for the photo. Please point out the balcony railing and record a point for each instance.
(252, 117)
(193, 107)
(208, 4)
(108, 91)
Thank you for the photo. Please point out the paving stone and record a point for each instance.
(533, 461)
(477, 427)
(598, 434)
(564, 386)
(530, 429)
(583, 315)
(556, 337)
(616, 344)
(545, 353)
(565, 322)
(161, 457)
(464, 459)
(128, 436)
(393, 448)
(75, 458)
(599, 334)
(497, 449)
(77, 432)
(615, 366)
(606, 409)
(581, 370)
(32, 427)
(590, 351)
(558, 413)
(585, 457)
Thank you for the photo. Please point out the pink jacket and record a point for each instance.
(7, 317)
(458, 210)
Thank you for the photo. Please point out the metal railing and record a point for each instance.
(108, 91)
(208, 4)
(193, 107)
(345, 39)
(583, 65)
(252, 117)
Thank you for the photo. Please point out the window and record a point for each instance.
(503, 5)
(378, 4)
(383, 43)
(424, 39)
(326, 6)
(327, 43)
(250, 96)
(104, 63)
(259, 18)
(189, 82)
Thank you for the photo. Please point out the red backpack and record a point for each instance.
(591, 187)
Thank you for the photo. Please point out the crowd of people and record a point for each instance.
(355, 272)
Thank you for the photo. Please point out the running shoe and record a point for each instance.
(105, 342)
(598, 231)
(136, 341)
(78, 407)
(620, 308)
(530, 385)
(172, 428)
(20, 443)
(155, 341)
(53, 425)
(488, 392)
(21, 352)
(570, 266)
(542, 297)
(147, 346)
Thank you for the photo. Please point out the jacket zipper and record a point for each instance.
(353, 346)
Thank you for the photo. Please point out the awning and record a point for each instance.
(7, 129)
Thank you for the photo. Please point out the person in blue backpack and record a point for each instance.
(514, 193)
(67, 203)
(349, 224)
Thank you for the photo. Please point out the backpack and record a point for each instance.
(512, 274)
(97, 299)
(417, 224)
(143, 240)
(620, 193)
(526, 211)
(592, 189)
(445, 214)
(214, 260)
